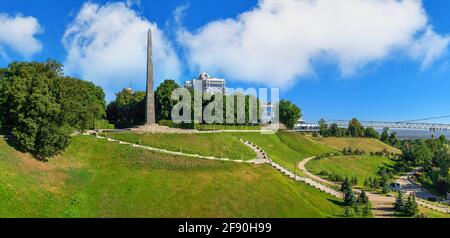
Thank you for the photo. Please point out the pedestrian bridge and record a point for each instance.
(396, 125)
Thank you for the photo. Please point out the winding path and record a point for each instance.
(381, 205)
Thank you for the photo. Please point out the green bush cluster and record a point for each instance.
(350, 151)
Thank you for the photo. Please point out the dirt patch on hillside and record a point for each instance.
(51, 176)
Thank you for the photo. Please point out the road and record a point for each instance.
(409, 187)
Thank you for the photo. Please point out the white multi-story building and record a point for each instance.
(207, 84)
(303, 126)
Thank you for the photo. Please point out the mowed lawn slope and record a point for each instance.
(208, 144)
(365, 144)
(285, 148)
(359, 166)
(96, 178)
(303, 145)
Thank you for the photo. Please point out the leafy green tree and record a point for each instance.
(128, 109)
(385, 135)
(289, 113)
(421, 153)
(355, 129)
(82, 103)
(164, 103)
(334, 130)
(41, 107)
(370, 132)
(323, 131)
(393, 139)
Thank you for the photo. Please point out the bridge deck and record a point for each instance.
(396, 125)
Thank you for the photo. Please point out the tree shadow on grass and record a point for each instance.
(337, 202)
(10, 141)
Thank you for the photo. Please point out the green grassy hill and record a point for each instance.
(286, 148)
(303, 145)
(365, 144)
(208, 144)
(359, 166)
(96, 178)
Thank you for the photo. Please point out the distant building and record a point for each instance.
(207, 84)
(303, 126)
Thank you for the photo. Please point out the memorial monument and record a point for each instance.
(150, 118)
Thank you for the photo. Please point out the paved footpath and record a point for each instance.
(382, 206)
(164, 151)
(407, 186)
(264, 158)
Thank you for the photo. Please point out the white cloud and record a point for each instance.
(18, 34)
(278, 40)
(133, 2)
(107, 44)
(429, 47)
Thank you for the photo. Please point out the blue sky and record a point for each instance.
(398, 73)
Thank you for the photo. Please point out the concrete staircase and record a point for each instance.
(263, 158)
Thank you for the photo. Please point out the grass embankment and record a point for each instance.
(433, 214)
(286, 148)
(215, 144)
(96, 178)
(359, 166)
(365, 144)
(303, 145)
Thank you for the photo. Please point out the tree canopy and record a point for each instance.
(41, 107)
(164, 102)
(289, 113)
(128, 109)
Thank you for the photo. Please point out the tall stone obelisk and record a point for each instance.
(150, 99)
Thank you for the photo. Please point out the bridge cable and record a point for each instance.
(426, 119)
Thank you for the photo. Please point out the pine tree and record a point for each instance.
(366, 210)
(370, 182)
(354, 181)
(411, 207)
(399, 204)
(357, 209)
(376, 183)
(345, 185)
(386, 188)
(349, 196)
(362, 198)
(366, 183)
(347, 212)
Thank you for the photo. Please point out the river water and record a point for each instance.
(418, 134)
